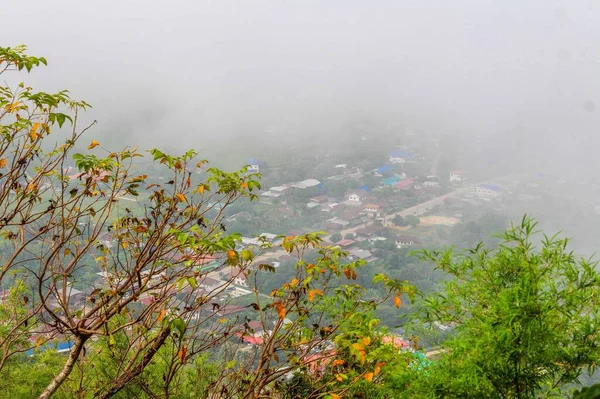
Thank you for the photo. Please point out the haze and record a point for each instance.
(511, 77)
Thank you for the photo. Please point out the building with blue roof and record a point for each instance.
(488, 190)
(390, 181)
(384, 169)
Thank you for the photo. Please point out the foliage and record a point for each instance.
(525, 319)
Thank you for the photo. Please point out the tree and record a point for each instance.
(525, 319)
(335, 237)
(399, 221)
(412, 220)
(62, 213)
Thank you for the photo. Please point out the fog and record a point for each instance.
(197, 70)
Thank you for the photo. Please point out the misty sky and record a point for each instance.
(197, 69)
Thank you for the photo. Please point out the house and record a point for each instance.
(238, 277)
(246, 241)
(210, 284)
(396, 341)
(374, 209)
(268, 236)
(384, 169)
(363, 254)
(458, 176)
(488, 190)
(344, 243)
(94, 176)
(390, 181)
(253, 166)
(405, 241)
(307, 183)
(279, 189)
(399, 156)
(321, 199)
(356, 197)
(336, 223)
(404, 184)
(369, 231)
(431, 184)
(375, 239)
(250, 339)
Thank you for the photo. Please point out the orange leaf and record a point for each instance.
(369, 377)
(33, 135)
(162, 315)
(2, 162)
(180, 197)
(231, 254)
(335, 396)
(93, 144)
(244, 185)
(366, 341)
(397, 301)
(201, 189)
(348, 273)
(311, 295)
(182, 354)
(294, 283)
(281, 310)
(35, 127)
(338, 362)
(339, 378)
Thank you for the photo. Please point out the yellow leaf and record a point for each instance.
(93, 144)
(33, 135)
(201, 189)
(359, 346)
(2, 162)
(366, 341)
(397, 301)
(222, 320)
(124, 244)
(369, 377)
(180, 197)
(35, 127)
(294, 283)
(38, 342)
(339, 378)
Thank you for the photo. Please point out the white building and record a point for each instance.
(356, 197)
(399, 156)
(458, 176)
(307, 183)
